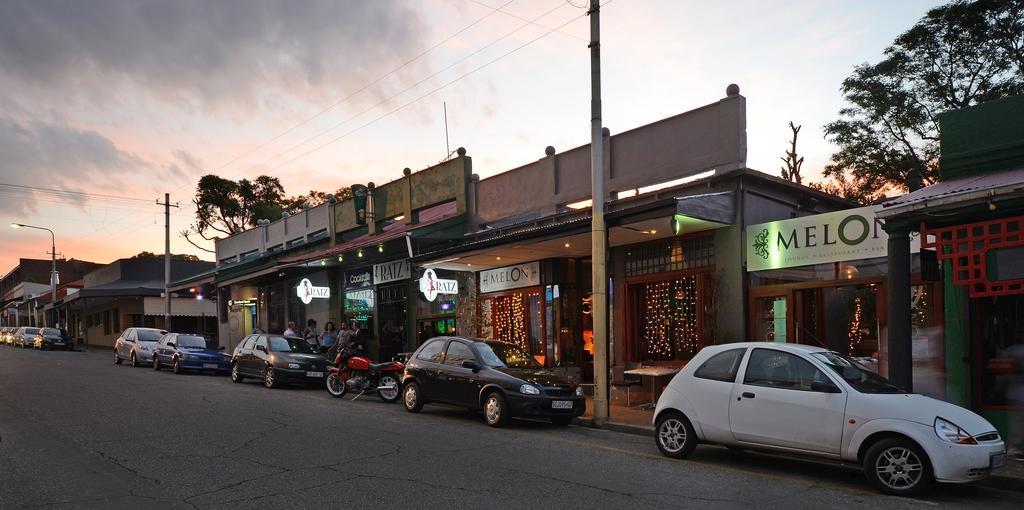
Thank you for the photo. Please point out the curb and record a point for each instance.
(1007, 483)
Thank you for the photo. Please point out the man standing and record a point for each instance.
(311, 334)
(291, 329)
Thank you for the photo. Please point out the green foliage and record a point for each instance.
(958, 55)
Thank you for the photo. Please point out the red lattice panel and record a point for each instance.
(967, 247)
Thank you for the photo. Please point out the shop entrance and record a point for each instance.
(999, 344)
(393, 310)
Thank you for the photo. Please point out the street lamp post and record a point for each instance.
(53, 268)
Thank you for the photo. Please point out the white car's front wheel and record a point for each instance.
(898, 467)
(674, 435)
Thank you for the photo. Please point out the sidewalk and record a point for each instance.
(1010, 477)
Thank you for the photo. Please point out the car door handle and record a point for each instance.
(747, 394)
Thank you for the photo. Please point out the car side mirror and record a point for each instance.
(221, 348)
(472, 365)
(261, 348)
(171, 344)
(824, 387)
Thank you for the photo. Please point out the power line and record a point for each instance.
(446, 85)
(69, 193)
(520, 18)
(410, 87)
(363, 88)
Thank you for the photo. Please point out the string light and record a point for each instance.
(669, 318)
(856, 332)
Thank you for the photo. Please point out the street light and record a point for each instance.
(53, 260)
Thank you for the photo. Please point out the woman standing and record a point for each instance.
(329, 338)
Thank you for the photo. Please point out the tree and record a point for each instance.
(957, 55)
(791, 172)
(227, 207)
(174, 256)
(314, 198)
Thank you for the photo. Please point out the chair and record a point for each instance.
(627, 381)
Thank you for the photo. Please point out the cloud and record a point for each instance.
(200, 54)
(58, 156)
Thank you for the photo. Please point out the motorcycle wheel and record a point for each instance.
(335, 385)
(394, 393)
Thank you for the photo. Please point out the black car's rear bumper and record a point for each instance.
(298, 376)
(542, 406)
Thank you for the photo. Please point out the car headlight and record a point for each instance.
(529, 389)
(949, 432)
(191, 356)
(579, 391)
(293, 365)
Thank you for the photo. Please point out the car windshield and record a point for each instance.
(285, 344)
(191, 342)
(31, 331)
(51, 332)
(150, 335)
(855, 374)
(499, 355)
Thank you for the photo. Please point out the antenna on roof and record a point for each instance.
(447, 147)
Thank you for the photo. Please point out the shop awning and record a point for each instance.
(395, 230)
(180, 307)
(956, 192)
(713, 207)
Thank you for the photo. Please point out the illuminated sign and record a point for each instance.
(511, 277)
(307, 292)
(431, 285)
(853, 234)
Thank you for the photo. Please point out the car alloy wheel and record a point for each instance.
(117, 359)
(897, 467)
(269, 377)
(393, 394)
(674, 435)
(494, 410)
(235, 376)
(413, 402)
(176, 367)
(156, 363)
(133, 362)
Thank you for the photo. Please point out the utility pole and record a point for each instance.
(167, 258)
(598, 232)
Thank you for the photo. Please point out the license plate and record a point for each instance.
(998, 461)
(314, 374)
(561, 404)
(210, 365)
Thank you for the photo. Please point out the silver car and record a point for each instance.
(23, 337)
(136, 345)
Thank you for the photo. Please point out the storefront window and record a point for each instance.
(359, 306)
(770, 316)
(516, 317)
(1000, 340)
(669, 318)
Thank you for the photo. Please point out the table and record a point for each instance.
(653, 373)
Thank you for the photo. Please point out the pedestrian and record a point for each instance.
(328, 338)
(1015, 399)
(311, 334)
(291, 329)
(359, 336)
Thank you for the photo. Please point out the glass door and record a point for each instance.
(772, 319)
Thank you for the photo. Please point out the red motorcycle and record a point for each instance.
(360, 374)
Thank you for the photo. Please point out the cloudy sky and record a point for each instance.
(138, 98)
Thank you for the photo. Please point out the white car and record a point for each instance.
(136, 345)
(807, 400)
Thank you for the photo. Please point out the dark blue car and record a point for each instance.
(182, 351)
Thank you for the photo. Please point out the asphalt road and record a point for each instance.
(78, 432)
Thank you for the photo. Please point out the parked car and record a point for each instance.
(6, 334)
(182, 352)
(808, 400)
(51, 338)
(24, 336)
(136, 345)
(498, 378)
(277, 360)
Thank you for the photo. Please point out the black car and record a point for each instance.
(498, 378)
(52, 338)
(277, 360)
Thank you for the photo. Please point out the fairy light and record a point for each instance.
(670, 318)
(856, 332)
